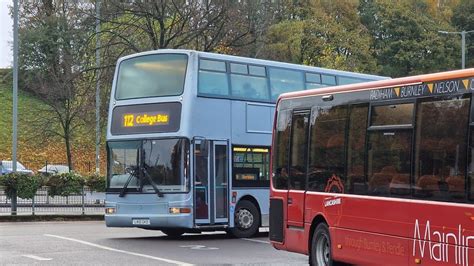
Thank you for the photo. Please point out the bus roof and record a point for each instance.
(255, 61)
(380, 84)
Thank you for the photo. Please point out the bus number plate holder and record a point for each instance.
(141, 221)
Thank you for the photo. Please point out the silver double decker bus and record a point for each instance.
(189, 135)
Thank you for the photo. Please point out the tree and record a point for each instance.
(150, 25)
(463, 19)
(250, 20)
(335, 37)
(56, 65)
(406, 39)
(442, 9)
(329, 34)
(283, 42)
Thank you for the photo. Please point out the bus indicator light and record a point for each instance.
(174, 210)
(178, 210)
(234, 196)
(185, 210)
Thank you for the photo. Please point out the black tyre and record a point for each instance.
(246, 220)
(321, 254)
(173, 232)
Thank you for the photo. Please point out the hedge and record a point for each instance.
(25, 186)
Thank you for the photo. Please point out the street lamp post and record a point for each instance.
(97, 90)
(15, 99)
(463, 49)
(463, 43)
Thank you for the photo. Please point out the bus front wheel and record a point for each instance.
(246, 220)
(321, 246)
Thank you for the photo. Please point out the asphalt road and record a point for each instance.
(91, 243)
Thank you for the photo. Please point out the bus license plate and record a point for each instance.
(141, 221)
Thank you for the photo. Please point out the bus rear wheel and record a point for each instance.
(321, 254)
(246, 220)
(173, 232)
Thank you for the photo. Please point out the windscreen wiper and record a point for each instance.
(133, 172)
(152, 183)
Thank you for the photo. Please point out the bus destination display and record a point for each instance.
(442, 87)
(146, 118)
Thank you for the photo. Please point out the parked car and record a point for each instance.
(52, 169)
(6, 167)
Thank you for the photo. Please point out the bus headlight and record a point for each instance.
(109, 210)
(176, 210)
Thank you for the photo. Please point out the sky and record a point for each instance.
(6, 34)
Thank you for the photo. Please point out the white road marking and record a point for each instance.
(256, 240)
(121, 251)
(200, 247)
(36, 257)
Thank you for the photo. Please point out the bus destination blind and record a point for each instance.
(440, 87)
(146, 118)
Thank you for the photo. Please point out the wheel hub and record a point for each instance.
(245, 218)
(322, 250)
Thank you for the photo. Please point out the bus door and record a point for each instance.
(211, 174)
(297, 171)
(220, 182)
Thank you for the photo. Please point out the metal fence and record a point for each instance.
(86, 203)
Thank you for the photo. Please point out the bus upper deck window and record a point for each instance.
(285, 80)
(153, 75)
(257, 71)
(238, 68)
(313, 78)
(212, 65)
(329, 79)
(214, 83)
(348, 80)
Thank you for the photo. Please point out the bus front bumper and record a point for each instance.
(149, 221)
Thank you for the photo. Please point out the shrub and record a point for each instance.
(96, 183)
(65, 184)
(24, 185)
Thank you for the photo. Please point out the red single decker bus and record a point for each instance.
(376, 173)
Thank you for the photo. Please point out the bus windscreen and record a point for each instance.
(149, 165)
(151, 76)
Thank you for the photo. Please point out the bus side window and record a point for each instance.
(282, 141)
(356, 182)
(326, 164)
(285, 80)
(250, 166)
(214, 83)
(440, 163)
(389, 157)
(470, 180)
(389, 149)
(298, 150)
(249, 87)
